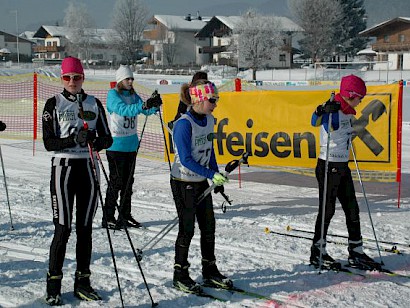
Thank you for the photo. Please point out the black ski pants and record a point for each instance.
(122, 167)
(185, 196)
(340, 186)
(72, 178)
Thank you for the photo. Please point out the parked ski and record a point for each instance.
(271, 299)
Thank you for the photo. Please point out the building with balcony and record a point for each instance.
(93, 46)
(391, 42)
(222, 39)
(9, 42)
(172, 40)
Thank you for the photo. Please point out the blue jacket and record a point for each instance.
(123, 110)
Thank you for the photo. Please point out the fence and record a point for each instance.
(22, 99)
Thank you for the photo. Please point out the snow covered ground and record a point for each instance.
(269, 264)
(272, 265)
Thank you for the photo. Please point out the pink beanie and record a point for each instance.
(71, 65)
(352, 86)
(202, 92)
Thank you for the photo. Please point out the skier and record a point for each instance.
(124, 105)
(71, 175)
(194, 163)
(339, 179)
(183, 106)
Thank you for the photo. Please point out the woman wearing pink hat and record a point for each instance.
(339, 179)
(71, 175)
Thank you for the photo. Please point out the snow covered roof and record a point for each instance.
(232, 22)
(372, 31)
(95, 35)
(181, 23)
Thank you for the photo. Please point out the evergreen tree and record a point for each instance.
(347, 34)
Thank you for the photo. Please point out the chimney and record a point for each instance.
(198, 16)
(188, 17)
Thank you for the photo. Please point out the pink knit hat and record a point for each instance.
(200, 93)
(352, 86)
(71, 65)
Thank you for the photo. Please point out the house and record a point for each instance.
(172, 39)
(93, 46)
(220, 33)
(15, 48)
(392, 42)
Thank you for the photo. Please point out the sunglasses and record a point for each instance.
(212, 100)
(75, 77)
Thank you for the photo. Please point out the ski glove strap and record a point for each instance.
(219, 189)
(218, 179)
(327, 107)
(154, 101)
(85, 136)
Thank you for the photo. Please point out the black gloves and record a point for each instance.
(328, 107)
(2, 126)
(219, 189)
(85, 136)
(154, 101)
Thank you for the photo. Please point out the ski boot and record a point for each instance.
(109, 223)
(82, 287)
(328, 263)
(183, 282)
(212, 277)
(358, 259)
(131, 222)
(53, 296)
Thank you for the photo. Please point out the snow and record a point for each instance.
(269, 264)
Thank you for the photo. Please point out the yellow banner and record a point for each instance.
(274, 127)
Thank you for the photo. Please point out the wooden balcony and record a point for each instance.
(386, 47)
(213, 49)
(45, 49)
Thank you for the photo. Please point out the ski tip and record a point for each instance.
(288, 228)
(267, 230)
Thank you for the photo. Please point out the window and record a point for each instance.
(401, 38)
(282, 58)
(386, 39)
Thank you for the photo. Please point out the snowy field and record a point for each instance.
(272, 265)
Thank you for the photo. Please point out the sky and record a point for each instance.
(272, 265)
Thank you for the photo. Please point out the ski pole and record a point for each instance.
(127, 186)
(7, 191)
(267, 231)
(289, 228)
(97, 183)
(231, 166)
(136, 255)
(165, 141)
(324, 197)
(365, 199)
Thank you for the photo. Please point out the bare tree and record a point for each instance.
(258, 37)
(170, 44)
(79, 22)
(129, 21)
(320, 20)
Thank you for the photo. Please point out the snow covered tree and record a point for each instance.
(129, 21)
(320, 20)
(354, 21)
(78, 20)
(258, 36)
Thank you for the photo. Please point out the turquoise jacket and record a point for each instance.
(123, 110)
